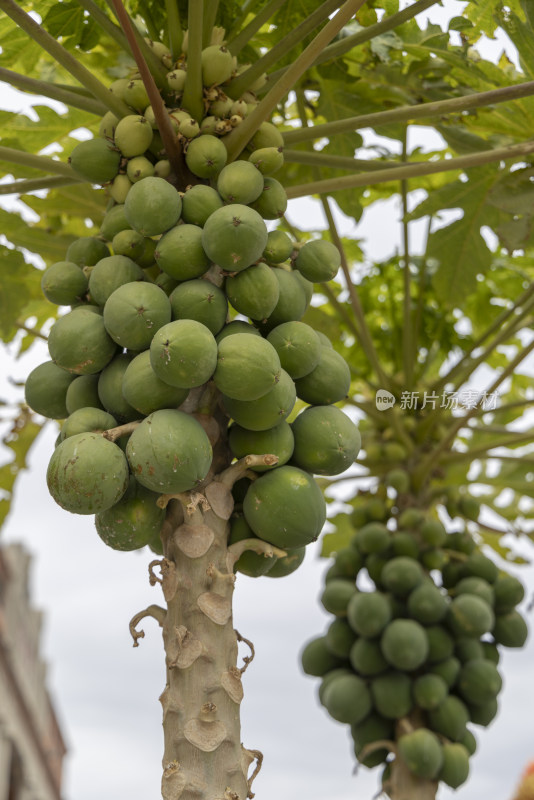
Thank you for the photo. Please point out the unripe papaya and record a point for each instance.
(285, 507)
(128, 243)
(133, 522)
(64, 283)
(249, 563)
(267, 160)
(46, 390)
(87, 419)
(134, 312)
(287, 564)
(328, 382)
(422, 753)
(83, 393)
(143, 390)
(110, 389)
(217, 65)
(176, 80)
(202, 301)
(110, 273)
(236, 326)
(169, 452)
(113, 222)
(234, 237)
(318, 260)
(87, 251)
(138, 168)
(278, 248)
(272, 201)
(87, 474)
(317, 659)
(277, 441)
(206, 156)
(240, 182)
(253, 292)
(292, 301)
(79, 342)
(119, 188)
(247, 367)
(267, 135)
(96, 160)
(183, 353)
(152, 206)
(180, 253)
(198, 203)
(298, 347)
(135, 95)
(327, 442)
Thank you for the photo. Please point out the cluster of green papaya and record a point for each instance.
(412, 654)
(183, 290)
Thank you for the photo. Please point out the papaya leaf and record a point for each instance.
(21, 282)
(18, 441)
(340, 537)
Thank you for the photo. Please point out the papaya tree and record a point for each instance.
(210, 353)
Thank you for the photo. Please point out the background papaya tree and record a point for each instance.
(349, 95)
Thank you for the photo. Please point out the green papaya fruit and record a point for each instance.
(169, 452)
(180, 253)
(202, 301)
(95, 160)
(64, 283)
(285, 507)
(184, 353)
(134, 312)
(153, 206)
(87, 474)
(46, 390)
(234, 237)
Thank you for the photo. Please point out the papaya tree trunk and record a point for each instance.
(203, 755)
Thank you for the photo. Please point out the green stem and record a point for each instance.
(346, 44)
(364, 336)
(428, 463)
(411, 113)
(506, 333)
(162, 118)
(408, 353)
(211, 8)
(174, 28)
(496, 325)
(236, 44)
(149, 21)
(63, 57)
(340, 310)
(33, 184)
(421, 294)
(193, 92)
(14, 156)
(414, 170)
(505, 407)
(240, 136)
(156, 67)
(283, 47)
(31, 331)
(105, 23)
(315, 158)
(70, 98)
(481, 452)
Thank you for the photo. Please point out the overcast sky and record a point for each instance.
(106, 692)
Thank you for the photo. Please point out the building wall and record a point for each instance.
(31, 744)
